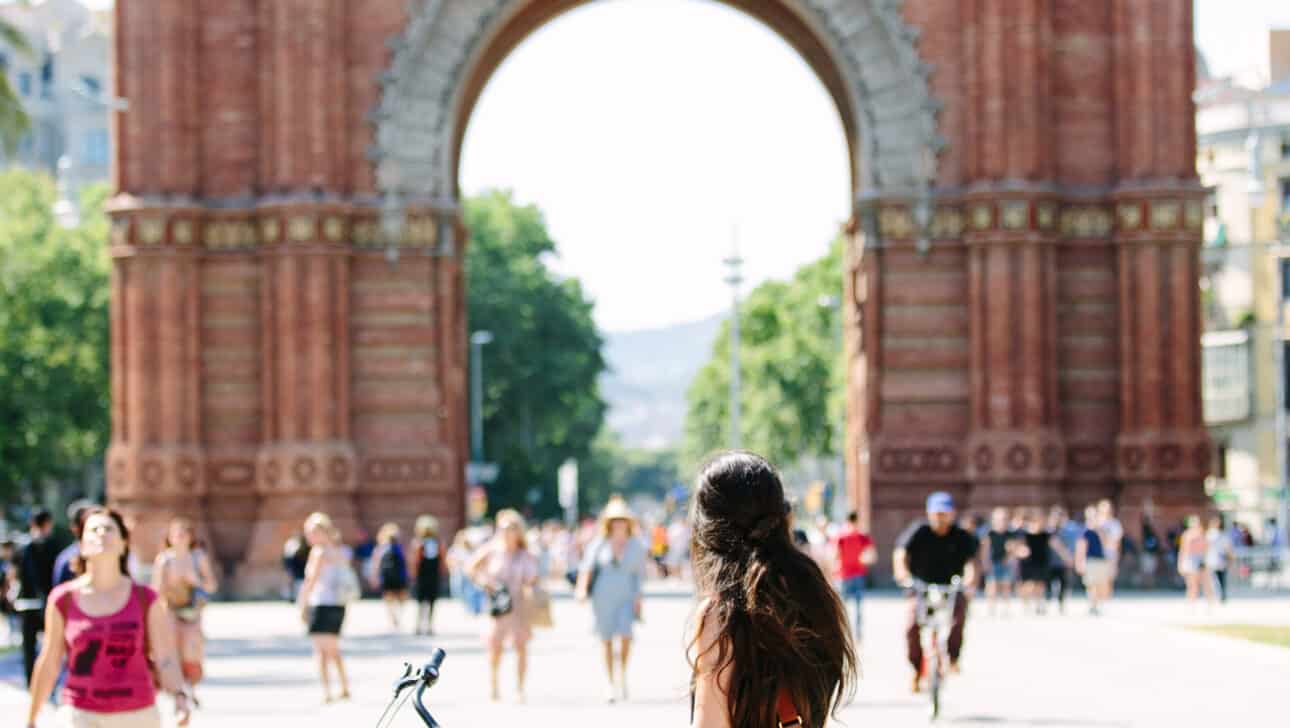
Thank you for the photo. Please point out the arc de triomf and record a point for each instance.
(288, 328)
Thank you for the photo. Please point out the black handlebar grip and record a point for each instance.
(431, 670)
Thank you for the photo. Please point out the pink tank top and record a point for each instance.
(107, 657)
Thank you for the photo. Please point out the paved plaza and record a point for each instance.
(1136, 666)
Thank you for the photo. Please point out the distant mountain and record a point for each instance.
(649, 371)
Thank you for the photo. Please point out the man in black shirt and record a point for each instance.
(935, 551)
(35, 567)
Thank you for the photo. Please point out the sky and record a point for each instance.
(657, 134)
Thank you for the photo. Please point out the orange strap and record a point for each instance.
(787, 710)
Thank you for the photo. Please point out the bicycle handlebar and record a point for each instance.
(422, 679)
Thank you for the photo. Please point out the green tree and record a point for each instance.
(14, 122)
(541, 401)
(54, 408)
(612, 469)
(791, 367)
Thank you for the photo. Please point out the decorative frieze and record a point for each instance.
(1072, 220)
(225, 231)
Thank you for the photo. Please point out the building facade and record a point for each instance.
(1022, 312)
(1243, 158)
(65, 85)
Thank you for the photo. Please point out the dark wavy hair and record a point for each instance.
(78, 564)
(778, 620)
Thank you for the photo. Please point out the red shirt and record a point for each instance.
(107, 660)
(849, 546)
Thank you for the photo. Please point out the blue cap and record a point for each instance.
(940, 502)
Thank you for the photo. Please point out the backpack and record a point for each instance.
(392, 569)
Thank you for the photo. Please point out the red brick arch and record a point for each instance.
(1023, 326)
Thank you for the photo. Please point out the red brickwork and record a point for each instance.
(270, 358)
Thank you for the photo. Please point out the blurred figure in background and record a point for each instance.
(1112, 533)
(613, 577)
(76, 513)
(1061, 557)
(1091, 562)
(295, 556)
(35, 569)
(1219, 554)
(1192, 549)
(184, 579)
(998, 547)
(854, 553)
(658, 548)
(8, 575)
(329, 585)
(459, 556)
(506, 569)
(1035, 557)
(388, 571)
(678, 547)
(427, 570)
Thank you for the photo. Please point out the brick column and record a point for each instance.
(307, 461)
(1163, 450)
(156, 464)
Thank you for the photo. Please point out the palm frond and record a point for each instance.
(14, 122)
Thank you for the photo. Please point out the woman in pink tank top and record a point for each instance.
(108, 628)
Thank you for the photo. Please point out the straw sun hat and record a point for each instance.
(617, 510)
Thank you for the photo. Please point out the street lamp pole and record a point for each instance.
(477, 342)
(734, 278)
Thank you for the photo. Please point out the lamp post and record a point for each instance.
(834, 304)
(477, 342)
(734, 278)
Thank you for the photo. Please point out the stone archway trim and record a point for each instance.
(424, 104)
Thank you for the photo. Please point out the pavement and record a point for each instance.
(1138, 665)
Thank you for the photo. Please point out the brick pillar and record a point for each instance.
(1015, 452)
(409, 444)
(1163, 450)
(156, 464)
(307, 461)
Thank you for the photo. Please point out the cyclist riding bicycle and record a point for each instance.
(935, 551)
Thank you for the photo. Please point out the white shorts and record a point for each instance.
(69, 717)
(1097, 572)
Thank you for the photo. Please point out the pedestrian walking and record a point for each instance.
(388, 571)
(1219, 554)
(330, 584)
(853, 554)
(8, 578)
(1112, 533)
(183, 577)
(771, 644)
(427, 571)
(613, 577)
(506, 570)
(998, 546)
(115, 635)
(1193, 546)
(1091, 562)
(35, 568)
(1035, 560)
(1061, 557)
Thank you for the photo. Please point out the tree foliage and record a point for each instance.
(613, 469)
(541, 401)
(54, 408)
(790, 362)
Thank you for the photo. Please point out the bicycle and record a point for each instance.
(934, 612)
(422, 679)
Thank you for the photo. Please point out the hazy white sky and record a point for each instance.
(648, 129)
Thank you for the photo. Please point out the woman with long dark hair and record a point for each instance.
(113, 633)
(771, 644)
